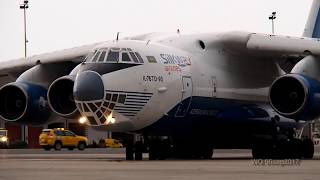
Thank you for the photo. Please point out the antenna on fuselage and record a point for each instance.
(118, 36)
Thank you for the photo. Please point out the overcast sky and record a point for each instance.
(58, 24)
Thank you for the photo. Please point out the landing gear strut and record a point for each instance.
(134, 149)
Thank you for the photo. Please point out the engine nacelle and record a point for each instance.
(296, 96)
(60, 97)
(24, 103)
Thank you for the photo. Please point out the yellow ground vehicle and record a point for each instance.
(4, 141)
(113, 143)
(60, 138)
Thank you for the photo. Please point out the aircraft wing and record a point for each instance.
(271, 45)
(10, 70)
(286, 50)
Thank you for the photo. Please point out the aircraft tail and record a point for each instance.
(312, 28)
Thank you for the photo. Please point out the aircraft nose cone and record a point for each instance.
(88, 86)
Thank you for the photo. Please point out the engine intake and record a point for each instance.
(60, 97)
(296, 96)
(24, 103)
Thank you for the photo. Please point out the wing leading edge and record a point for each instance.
(266, 45)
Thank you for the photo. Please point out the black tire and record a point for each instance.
(47, 148)
(154, 149)
(57, 146)
(295, 149)
(207, 154)
(70, 148)
(129, 152)
(138, 151)
(262, 149)
(307, 148)
(81, 146)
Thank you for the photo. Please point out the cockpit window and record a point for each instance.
(101, 58)
(125, 57)
(139, 57)
(96, 56)
(134, 58)
(113, 56)
(90, 56)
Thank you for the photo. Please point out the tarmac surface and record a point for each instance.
(37, 164)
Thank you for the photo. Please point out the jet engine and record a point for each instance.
(296, 96)
(24, 103)
(25, 100)
(60, 97)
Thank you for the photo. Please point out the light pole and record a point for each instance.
(25, 6)
(272, 17)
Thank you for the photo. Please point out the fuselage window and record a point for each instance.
(101, 58)
(96, 56)
(139, 57)
(113, 56)
(125, 57)
(134, 58)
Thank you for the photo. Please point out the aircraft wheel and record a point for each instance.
(154, 149)
(138, 150)
(262, 149)
(207, 153)
(307, 148)
(129, 151)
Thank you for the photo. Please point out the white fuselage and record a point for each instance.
(176, 68)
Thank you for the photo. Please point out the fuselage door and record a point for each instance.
(186, 97)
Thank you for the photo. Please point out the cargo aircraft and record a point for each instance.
(184, 95)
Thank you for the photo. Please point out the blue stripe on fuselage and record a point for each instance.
(212, 115)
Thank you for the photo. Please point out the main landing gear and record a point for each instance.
(282, 145)
(135, 148)
(160, 148)
(283, 149)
